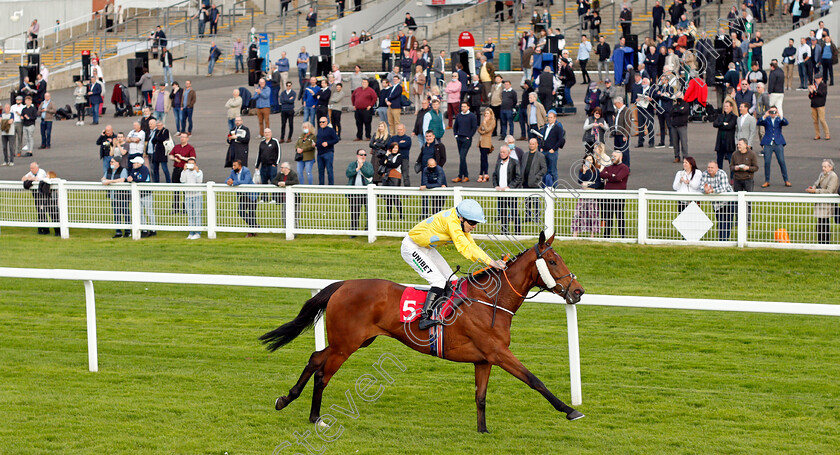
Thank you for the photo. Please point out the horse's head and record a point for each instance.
(554, 275)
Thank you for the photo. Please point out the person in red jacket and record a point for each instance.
(615, 178)
(364, 99)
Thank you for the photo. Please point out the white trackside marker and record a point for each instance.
(542, 267)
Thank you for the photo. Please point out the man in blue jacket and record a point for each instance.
(553, 141)
(283, 67)
(95, 98)
(394, 102)
(325, 142)
(466, 124)
(773, 142)
(310, 100)
(240, 175)
(262, 95)
(287, 111)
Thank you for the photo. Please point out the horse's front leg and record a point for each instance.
(512, 365)
(482, 377)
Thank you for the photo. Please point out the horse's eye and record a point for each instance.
(552, 262)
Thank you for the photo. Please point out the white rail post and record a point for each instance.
(643, 217)
(574, 354)
(548, 215)
(371, 213)
(135, 211)
(456, 196)
(320, 332)
(90, 306)
(291, 201)
(211, 211)
(742, 219)
(63, 212)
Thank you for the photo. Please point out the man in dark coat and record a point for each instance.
(238, 139)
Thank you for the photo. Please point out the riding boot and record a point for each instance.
(428, 308)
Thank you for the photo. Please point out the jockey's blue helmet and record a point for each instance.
(471, 210)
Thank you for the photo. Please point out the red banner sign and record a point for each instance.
(465, 39)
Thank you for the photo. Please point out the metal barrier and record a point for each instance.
(639, 216)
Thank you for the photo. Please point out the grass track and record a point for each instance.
(181, 371)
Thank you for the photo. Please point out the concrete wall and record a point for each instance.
(46, 11)
(773, 49)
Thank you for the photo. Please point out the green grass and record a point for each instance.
(181, 370)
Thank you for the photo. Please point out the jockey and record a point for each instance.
(419, 248)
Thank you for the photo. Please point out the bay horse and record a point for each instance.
(357, 311)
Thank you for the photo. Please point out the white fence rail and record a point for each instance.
(734, 219)
(89, 276)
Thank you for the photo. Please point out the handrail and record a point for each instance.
(282, 18)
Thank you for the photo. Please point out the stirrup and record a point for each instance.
(429, 305)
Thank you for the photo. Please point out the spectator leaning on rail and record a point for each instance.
(715, 181)
(240, 175)
(615, 178)
(286, 177)
(180, 155)
(432, 176)
(35, 177)
(105, 142)
(507, 175)
(359, 173)
(140, 174)
(119, 198)
(827, 183)
(192, 175)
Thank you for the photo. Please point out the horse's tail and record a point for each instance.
(287, 332)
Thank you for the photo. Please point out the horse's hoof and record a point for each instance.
(484, 430)
(281, 403)
(320, 423)
(575, 415)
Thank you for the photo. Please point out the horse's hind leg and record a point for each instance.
(316, 362)
(322, 378)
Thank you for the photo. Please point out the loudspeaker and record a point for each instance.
(460, 56)
(144, 56)
(86, 66)
(632, 41)
(134, 71)
(326, 51)
(33, 59)
(553, 44)
(254, 71)
(29, 71)
(320, 65)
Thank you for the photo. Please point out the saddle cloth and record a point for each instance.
(411, 302)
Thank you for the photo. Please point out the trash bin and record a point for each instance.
(504, 61)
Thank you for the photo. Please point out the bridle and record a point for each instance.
(550, 283)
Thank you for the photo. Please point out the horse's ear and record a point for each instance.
(542, 238)
(550, 239)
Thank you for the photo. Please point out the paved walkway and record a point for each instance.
(74, 154)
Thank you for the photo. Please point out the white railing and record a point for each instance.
(639, 216)
(315, 285)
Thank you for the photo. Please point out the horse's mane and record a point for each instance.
(486, 271)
